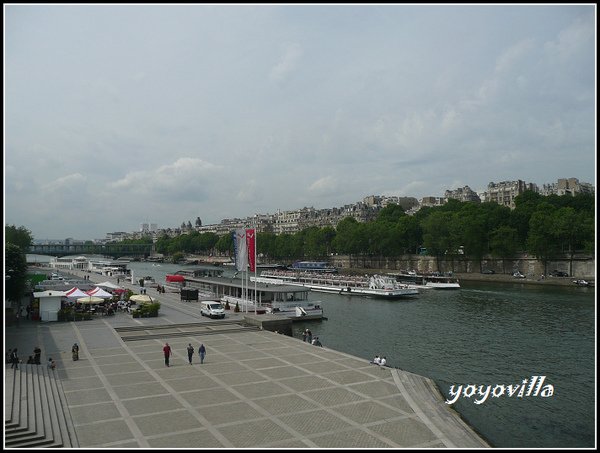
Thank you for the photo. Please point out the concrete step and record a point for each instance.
(52, 413)
(150, 336)
(31, 419)
(10, 400)
(69, 435)
(43, 407)
(9, 386)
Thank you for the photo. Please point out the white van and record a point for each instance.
(212, 309)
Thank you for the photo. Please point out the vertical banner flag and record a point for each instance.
(251, 241)
(240, 249)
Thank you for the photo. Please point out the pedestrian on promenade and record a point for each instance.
(304, 334)
(51, 364)
(14, 359)
(202, 352)
(75, 352)
(309, 336)
(190, 350)
(9, 356)
(37, 354)
(167, 353)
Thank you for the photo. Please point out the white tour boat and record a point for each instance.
(426, 281)
(380, 286)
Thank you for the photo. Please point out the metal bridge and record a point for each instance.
(116, 250)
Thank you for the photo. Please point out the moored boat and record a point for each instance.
(380, 286)
(313, 266)
(277, 299)
(426, 281)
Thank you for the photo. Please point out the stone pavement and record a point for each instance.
(256, 389)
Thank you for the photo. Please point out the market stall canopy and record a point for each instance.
(75, 293)
(99, 292)
(90, 300)
(143, 298)
(108, 285)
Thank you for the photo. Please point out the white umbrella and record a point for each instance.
(90, 300)
(143, 298)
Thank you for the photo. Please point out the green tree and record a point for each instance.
(503, 243)
(15, 272)
(437, 237)
(392, 213)
(541, 240)
(20, 237)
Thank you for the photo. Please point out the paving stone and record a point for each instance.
(94, 412)
(166, 422)
(99, 433)
(254, 433)
(151, 404)
(230, 412)
(366, 412)
(308, 423)
(354, 438)
(406, 434)
(194, 439)
(286, 404)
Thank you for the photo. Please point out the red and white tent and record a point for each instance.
(75, 293)
(99, 292)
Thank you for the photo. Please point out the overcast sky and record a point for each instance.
(118, 115)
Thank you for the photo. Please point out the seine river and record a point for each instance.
(483, 334)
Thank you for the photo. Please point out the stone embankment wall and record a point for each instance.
(579, 266)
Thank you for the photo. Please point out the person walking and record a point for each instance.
(304, 334)
(14, 359)
(202, 352)
(190, 351)
(167, 353)
(51, 364)
(75, 352)
(309, 336)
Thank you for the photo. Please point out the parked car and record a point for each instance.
(557, 273)
(488, 271)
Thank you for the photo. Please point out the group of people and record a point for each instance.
(308, 336)
(168, 352)
(381, 361)
(12, 357)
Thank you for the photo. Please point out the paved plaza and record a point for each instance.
(256, 389)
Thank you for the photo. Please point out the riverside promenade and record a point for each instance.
(255, 389)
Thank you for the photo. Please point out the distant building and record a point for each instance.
(570, 186)
(432, 201)
(462, 194)
(504, 192)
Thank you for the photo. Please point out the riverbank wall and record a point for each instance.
(580, 266)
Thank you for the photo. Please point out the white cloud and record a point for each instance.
(327, 184)
(288, 62)
(184, 112)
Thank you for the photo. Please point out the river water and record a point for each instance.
(483, 334)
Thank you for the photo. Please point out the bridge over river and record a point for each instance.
(116, 250)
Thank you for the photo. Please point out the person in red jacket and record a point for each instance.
(167, 352)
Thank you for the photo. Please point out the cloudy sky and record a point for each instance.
(118, 115)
